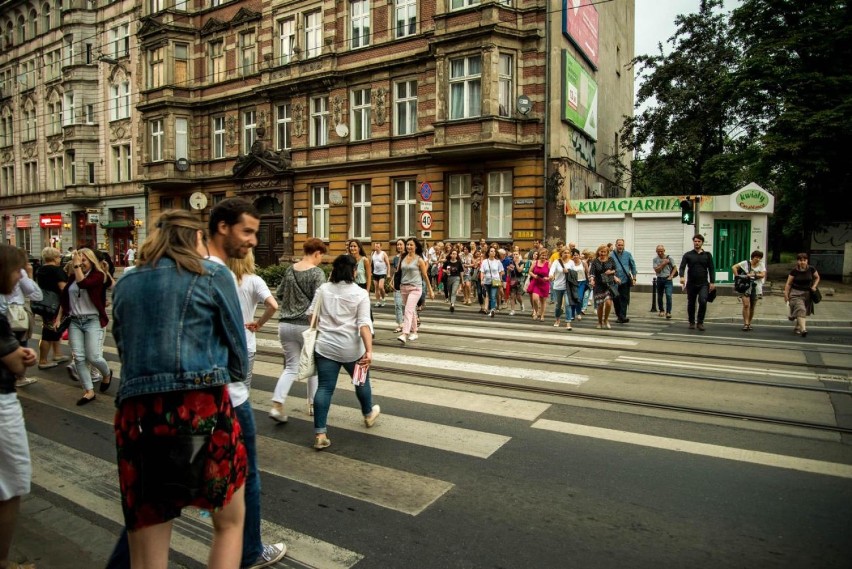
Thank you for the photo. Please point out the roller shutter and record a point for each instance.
(648, 234)
(598, 232)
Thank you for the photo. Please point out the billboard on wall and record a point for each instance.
(580, 25)
(579, 96)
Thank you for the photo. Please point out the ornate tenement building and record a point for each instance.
(367, 119)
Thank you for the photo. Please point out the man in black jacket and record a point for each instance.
(697, 270)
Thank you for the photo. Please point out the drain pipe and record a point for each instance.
(547, 82)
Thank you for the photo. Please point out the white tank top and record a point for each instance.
(379, 265)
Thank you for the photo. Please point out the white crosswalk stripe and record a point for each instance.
(705, 366)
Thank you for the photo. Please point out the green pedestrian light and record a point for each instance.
(687, 211)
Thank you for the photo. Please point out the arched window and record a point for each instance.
(9, 35)
(45, 17)
(22, 29)
(33, 23)
(57, 9)
(268, 205)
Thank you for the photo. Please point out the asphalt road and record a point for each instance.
(458, 475)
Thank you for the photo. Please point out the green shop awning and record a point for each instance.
(117, 224)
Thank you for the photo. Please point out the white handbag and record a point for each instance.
(307, 367)
(19, 320)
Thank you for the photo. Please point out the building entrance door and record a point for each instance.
(731, 239)
(270, 241)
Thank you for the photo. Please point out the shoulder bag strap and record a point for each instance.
(620, 264)
(317, 309)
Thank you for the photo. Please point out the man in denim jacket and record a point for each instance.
(625, 270)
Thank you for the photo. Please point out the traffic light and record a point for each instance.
(687, 211)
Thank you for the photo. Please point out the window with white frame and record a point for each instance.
(406, 17)
(32, 22)
(284, 124)
(53, 64)
(320, 212)
(156, 67)
(54, 117)
(71, 165)
(7, 127)
(90, 113)
(120, 41)
(313, 34)
(360, 114)
(46, 24)
(505, 84)
(7, 180)
(181, 138)
(286, 40)
(319, 121)
(465, 87)
(68, 50)
(29, 116)
(459, 4)
(55, 173)
(7, 84)
(28, 74)
(30, 177)
(499, 205)
(359, 17)
(216, 51)
(218, 137)
(69, 111)
(405, 208)
(249, 130)
(361, 208)
(155, 6)
(119, 101)
(459, 202)
(181, 67)
(248, 53)
(405, 107)
(157, 134)
(181, 5)
(121, 163)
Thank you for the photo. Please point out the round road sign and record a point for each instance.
(426, 191)
(425, 220)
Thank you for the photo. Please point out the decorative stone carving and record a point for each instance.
(29, 150)
(55, 144)
(476, 190)
(298, 117)
(336, 109)
(381, 108)
(231, 129)
(119, 130)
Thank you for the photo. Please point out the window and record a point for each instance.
(361, 207)
(499, 204)
(30, 177)
(68, 50)
(319, 121)
(505, 87)
(181, 64)
(459, 206)
(406, 18)
(156, 140)
(55, 173)
(22, 29)
(465, 87)
(156, 6)
(360, 114)
(405, 208)
(90, 114)
(180, 5)
(45, 17)
(320, 212)
(54, 117)
(359, 15)
(33, 23)
(247, 53)
(121, 163)
(69, 111)
(7, 128)
(218, 137)
(29, 129)
(155, 67)
(88, 53)
(28, 75)
(249, 130)
(7, 180)
(405, 107)
(119, 101)
(286, 40)
(181, 138)
(167, 203)
(53, 64)
(71, 164)
(284, 123)
(458, 4)
(217, 60)
(90, 167)
(120, 40)
(313, 34)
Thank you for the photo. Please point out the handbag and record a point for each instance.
(19, 320)
(743, 282)
(816, 296)
(48, 306)
(172, 467)
(307, 365)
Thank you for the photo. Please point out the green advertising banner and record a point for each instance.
(579, 96)
(657, 204)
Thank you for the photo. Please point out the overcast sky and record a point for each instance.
(655, 21)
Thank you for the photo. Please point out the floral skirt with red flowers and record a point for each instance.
(194, 412)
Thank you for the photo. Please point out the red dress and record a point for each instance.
(540, 285)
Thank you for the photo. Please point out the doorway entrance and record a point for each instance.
(731, 240)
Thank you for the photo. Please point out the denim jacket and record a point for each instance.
(177, 330)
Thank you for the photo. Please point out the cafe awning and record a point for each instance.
(117, 224)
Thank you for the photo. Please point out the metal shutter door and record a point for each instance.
(599, 232)
(650, 233)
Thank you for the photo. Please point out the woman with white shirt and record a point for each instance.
(380, 263)
(491, 272)
(579, 266)
(559, 287)
(26, 288)
(345, 339)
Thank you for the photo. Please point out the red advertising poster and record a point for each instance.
(580, 25)
(50, 220)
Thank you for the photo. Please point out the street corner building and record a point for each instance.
(367, 119)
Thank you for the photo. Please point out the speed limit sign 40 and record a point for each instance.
(425, 220)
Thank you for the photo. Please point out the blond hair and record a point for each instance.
(175, 236)
(50, 254)
(602, 248)
(242, 267)
(96, 264)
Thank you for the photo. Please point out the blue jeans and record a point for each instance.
(581, 302)
(86, 338)
(397, 306)
(492, 297)
(327, 372)
(664, 286)
(558, 296)
(252, 544)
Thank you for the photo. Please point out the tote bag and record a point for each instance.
(19, 320)
(307, 366)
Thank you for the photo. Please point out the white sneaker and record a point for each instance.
(271, 553)
(412, 337)
(511, 313)
(403, 339)
(277, 416)
(370, 419)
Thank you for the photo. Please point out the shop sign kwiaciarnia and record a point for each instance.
(656, 204)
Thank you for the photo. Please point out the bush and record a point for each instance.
(273, 274)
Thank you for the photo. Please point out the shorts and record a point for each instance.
(185, 412)
(377, 278)
(16, 471)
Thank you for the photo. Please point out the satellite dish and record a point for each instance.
(182, 164)
(342, 130)
(198, 200)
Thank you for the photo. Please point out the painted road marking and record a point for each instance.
(714, 451)
(766, 372)
(92, 483)
(386, 487)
